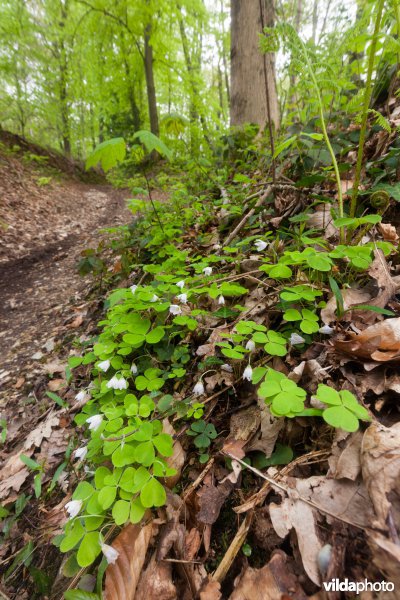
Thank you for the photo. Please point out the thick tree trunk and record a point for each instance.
(253, 85)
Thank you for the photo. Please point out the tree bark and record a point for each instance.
(253, 87)
(151, 88)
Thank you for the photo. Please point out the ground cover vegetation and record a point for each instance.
(234, 412)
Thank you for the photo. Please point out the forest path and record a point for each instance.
(43, 301)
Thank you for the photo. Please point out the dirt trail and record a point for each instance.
(40, 296)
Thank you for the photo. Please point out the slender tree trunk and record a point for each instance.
(315, 21)
(253, 87)
(151, 88)
(64, 106)
(130, 89)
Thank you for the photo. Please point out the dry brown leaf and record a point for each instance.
(380, 462)
(220, 378)
(345, 461)
(55, 385)
(77, 322)
(379, 271)
(270, 427)
(156, 582)
(274, 581)
(322, 219)
(292, 514)
(379, 342)
(123, 576)
(42, 431)
(347, 500)
(350, 297)
(177, 460)
(211, 591)
(192, 543)
(211, 499)
(388, 232)
(245, 423)
(386, 556)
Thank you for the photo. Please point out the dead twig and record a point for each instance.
(247, 216)
(233, 549)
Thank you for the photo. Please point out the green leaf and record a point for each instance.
(29, 462)
(292, 315)
(57, 398)
(152, 142)
(74, 535)
(137, 511)
(155, 335)
(164, 444)
(338, 296)
(108, 153)
(107, 496)
(144, 453)
(377, 309)
(341, 418)
(284, 145)
(89, 549)
(120, 512)
(80, 595)
(153, 494)
(280, 272)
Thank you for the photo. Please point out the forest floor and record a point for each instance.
(45, 303)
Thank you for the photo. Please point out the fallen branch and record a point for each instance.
(247, 217)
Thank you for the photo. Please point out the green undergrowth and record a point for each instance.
(143, 365)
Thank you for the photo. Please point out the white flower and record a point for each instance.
(198, 389)
(73, 507)
(260, 245)
(180, 284)
(221, 300)
(154, 298)
(226, 368)
(207, 271)
(296, 339)
(104, 365)
(112, 384)
(248, 373)
(182, 298)
(250, 346)
(326, 330)
(94, 421)
(122, 384)
(174, 309)
(80, 453)
(110, 553)
(134, 369)
(133, 288)
(80, 396)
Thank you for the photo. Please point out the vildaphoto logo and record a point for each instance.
(338, 585)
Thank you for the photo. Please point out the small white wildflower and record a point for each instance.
(180, 284)
(326, 330)
(73, 507)
(80, 396)
(221, 300)
(133, 288)
(154, 298)
(198, 389)
(182, 298)
(226, 368)
(104, 365)
(110, 553)
(248, 373)
(250, 346)
(207, 271)
(112, 384)
(94, 421)
(80, 453)
(174, 309)
(296, 339)
(134, 369)
(260, 245)
(122, 384)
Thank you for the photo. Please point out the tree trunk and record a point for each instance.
(253, 88)
(151, 89)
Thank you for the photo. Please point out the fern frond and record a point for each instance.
(380, 120)
(356, 102)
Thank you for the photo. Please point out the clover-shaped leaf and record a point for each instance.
(343, 410)
(283, 395)
(150, 380)
(274, 342)
(203, 433)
